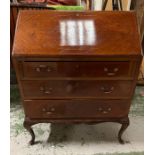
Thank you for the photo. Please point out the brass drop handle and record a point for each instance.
(49, 69)
(107, 91)
(100, 109)
(50, 111)
(38, 69)
(46, 90)
(115, 70)
(43, 109)
(43, 67)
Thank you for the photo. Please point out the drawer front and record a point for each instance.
(77, 69)
(76, 108)
(76, 89)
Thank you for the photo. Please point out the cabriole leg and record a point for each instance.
(27, 126)
(125, 124)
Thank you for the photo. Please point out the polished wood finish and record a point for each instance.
(117, 34)
(76, 108)
(14, 10)
(76, 67)
(59, 89)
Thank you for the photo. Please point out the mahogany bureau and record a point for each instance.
(76, 67)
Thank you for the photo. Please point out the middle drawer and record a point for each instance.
(76, 89)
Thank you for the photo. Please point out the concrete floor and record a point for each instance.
(81, 139)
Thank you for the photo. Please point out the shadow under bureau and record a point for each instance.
(76, 67)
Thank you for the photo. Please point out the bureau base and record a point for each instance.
(123, 121)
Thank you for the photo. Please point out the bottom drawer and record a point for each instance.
(76, 108)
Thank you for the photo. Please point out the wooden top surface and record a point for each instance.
(58, 33)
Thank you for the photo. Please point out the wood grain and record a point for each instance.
(76, 109)
(107, 33)
(76, 67)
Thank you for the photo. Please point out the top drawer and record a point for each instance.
(78, 69)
